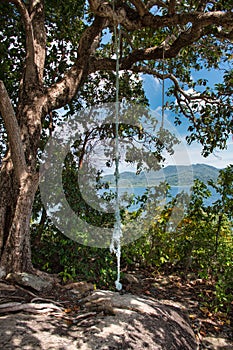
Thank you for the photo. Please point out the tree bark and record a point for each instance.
(19, 174)
(19, 180)
(16, 206)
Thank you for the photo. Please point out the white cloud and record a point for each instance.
(185, 155)
(152, 82)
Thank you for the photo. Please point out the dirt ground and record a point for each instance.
(70, 325)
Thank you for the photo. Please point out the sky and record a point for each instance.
(185, 154)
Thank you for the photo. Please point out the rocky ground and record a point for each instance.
(213, 330)
(154, 312)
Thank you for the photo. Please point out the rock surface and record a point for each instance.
(28, 280)
(131, 322)
(82, 287)
(130, 279)
(106, 321)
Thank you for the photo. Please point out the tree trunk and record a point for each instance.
(19, 174)
(18, 182)
(15, 210)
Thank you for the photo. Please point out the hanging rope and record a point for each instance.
(163, 89)
(115, 246)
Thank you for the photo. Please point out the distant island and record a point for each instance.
(174, 175)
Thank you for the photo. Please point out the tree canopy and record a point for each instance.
(70, 52)
(61, 54)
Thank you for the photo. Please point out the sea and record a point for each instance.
(174, 190)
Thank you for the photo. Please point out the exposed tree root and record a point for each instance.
(29, 307)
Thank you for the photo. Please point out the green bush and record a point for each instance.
(202, 242)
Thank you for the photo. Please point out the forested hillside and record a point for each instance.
(183, 175)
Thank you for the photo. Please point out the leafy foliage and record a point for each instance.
(187, 248)
(169, 43)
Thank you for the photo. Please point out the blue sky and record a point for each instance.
(219, 159)
(153, 90)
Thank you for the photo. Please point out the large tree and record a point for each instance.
(50, 50)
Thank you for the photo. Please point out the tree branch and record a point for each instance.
(132, 20)
(30, 51)
(185, 38)
(33, 20)
(202, 5)
(140, 6)
(62, 92)
(23, 11)
(39, 33)
(152, 53)
(12, 128)
(188, 97)
(158, 3)
(172, 7)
